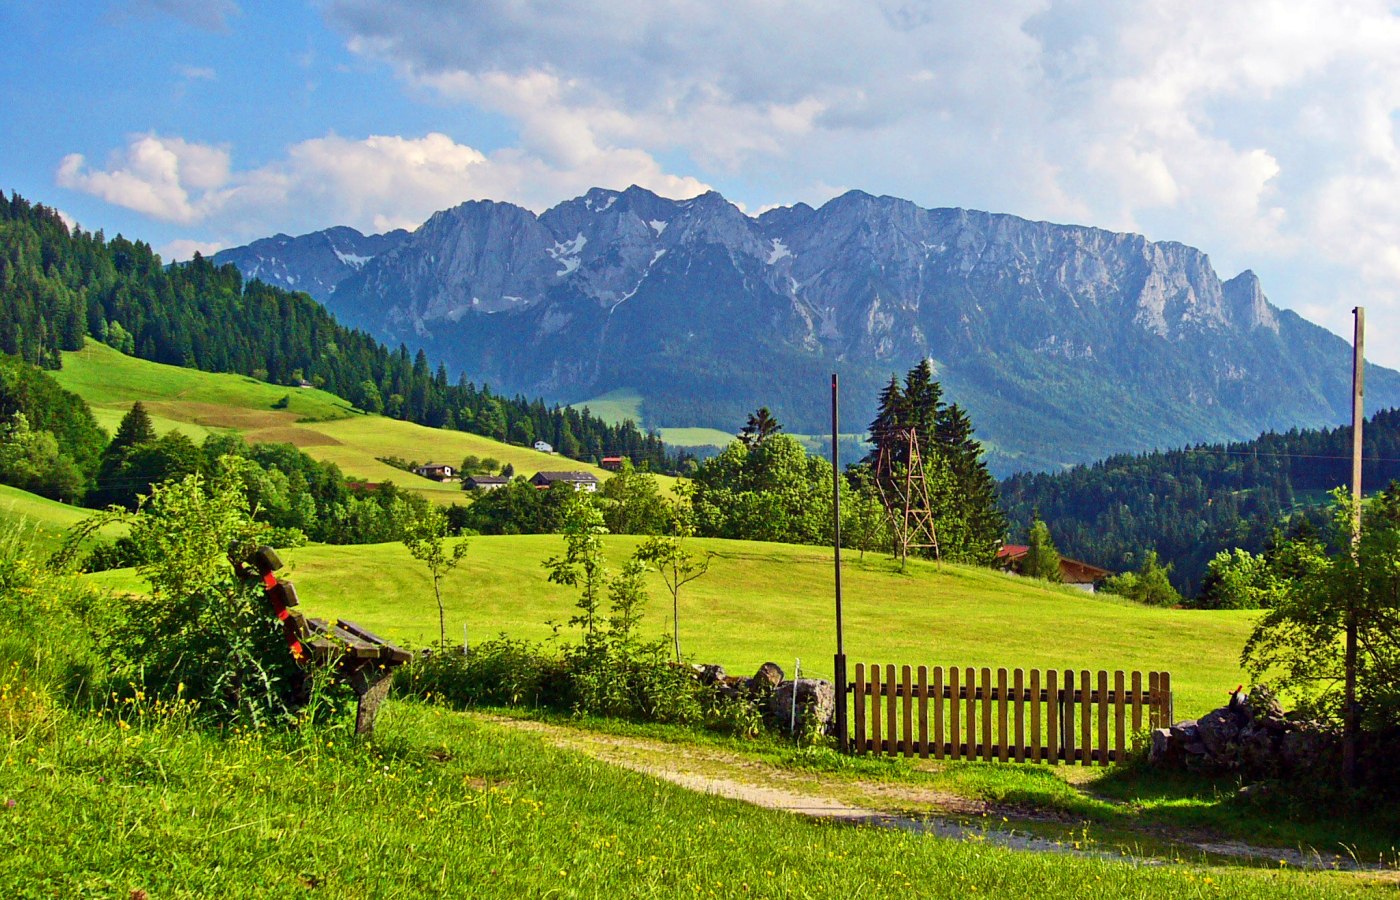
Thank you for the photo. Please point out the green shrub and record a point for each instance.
(500, 672)
(202, 635)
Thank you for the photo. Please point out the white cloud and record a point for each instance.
(197, 73)
(167, 178)
(183, 249)
(374, 184)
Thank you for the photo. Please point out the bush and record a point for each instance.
(202, 635)
(499, 672)
(1148, 584)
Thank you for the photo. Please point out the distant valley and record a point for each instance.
(1065, 343)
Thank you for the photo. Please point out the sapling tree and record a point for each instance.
(677, 565)
(582, 564)
(425, 536)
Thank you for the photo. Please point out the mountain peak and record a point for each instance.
(1065, 343)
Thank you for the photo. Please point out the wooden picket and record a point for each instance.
(978, 714)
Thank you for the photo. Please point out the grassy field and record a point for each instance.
(323, 425)
(137, 803)
(625, 403)
(696, 437)
(615, 407)
(622, 404)
(38, 520)
(774, 602)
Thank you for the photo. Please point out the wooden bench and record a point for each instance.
(360, 658)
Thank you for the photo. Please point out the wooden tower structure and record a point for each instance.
(903, 486)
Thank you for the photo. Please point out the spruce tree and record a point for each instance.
(135, 428)
(962, 493)
(760, 426)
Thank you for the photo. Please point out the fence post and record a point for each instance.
(1067, 718)
(860, 709)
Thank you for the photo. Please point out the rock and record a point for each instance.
(766, 679)
(1258, 753)
(1306, 749)
(732, 686)
(1251, 735)
(1164, 750)
(710, 674)
(816, 702)
(1219, 730)
(1186, 732)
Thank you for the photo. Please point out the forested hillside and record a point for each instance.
(57, 287)
(1189, 504)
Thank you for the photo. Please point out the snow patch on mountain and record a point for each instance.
(779, 251)
(353, 260)
(566, 253)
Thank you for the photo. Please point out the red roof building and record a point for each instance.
(1073, 572)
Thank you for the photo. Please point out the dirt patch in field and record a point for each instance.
(214, 415)
(293, 434)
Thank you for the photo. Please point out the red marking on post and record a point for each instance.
(270, 580)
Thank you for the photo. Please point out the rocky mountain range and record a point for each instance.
(1065, 343)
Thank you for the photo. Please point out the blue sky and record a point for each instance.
(1262, 132)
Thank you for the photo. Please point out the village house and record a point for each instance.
(612, 463)
(485, 482)
(437, 472)
(1073, 572)
(582, 481)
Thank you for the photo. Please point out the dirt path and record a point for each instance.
(713, 771)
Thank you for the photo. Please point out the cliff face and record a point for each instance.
(315, 263)
(1065, 343)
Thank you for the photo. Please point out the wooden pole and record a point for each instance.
(1350, 725)
(839, 675)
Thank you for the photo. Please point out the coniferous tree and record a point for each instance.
(760, 426)
(56, 284)
(967, 520)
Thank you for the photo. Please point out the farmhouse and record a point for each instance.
(582, 481)
(485, 482)
(612, 463)
(544, 447)
(437, 472)
(1073, 572)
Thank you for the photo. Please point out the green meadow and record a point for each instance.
(321, 424)
(135, 802)
(43, 522)
(136, 799)
(774, 602)
(624, 403)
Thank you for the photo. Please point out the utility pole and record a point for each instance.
(839, 675)
(1350, 725)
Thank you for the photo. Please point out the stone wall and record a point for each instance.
(1251, 735)
(771, 692)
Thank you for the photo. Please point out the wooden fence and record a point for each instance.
(965, 713)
